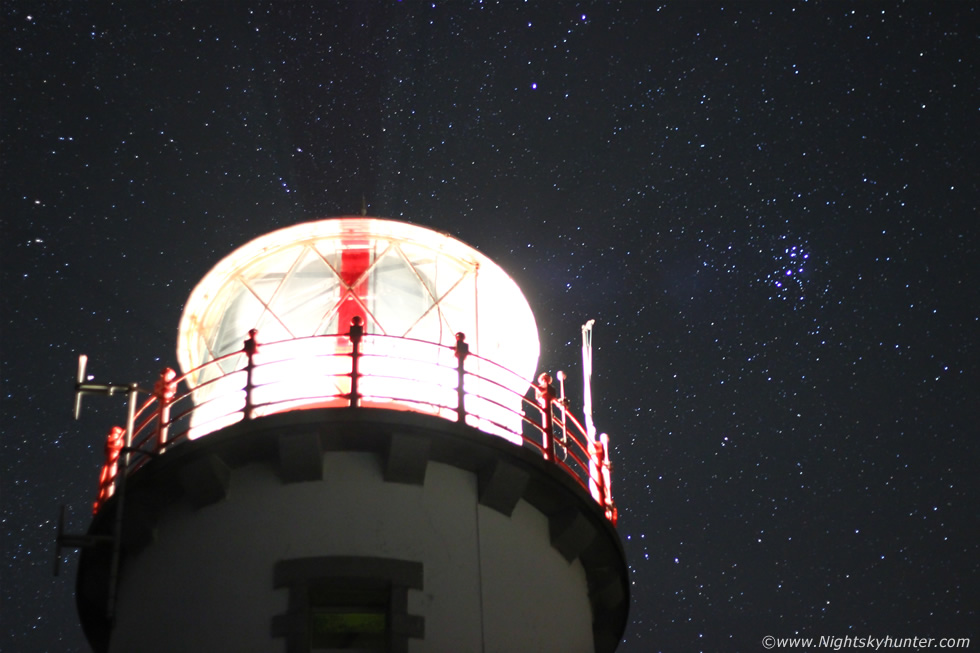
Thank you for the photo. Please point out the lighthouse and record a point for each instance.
(357, 453)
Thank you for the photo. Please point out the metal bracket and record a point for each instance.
(74, 540)
(82, 388)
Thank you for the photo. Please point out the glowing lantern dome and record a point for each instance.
(413, 289)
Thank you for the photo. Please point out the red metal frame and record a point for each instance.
(163, 420)
(355, 259)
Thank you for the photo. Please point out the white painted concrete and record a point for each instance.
(491, 583)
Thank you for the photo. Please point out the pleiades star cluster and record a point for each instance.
(769, 208)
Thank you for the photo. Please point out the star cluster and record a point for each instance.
(768, 208)
(791, 270)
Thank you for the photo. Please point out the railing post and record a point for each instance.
(251, 348)
(165, 391)
(107, 479)
(355, 334)
(599, 461)
(462, 351)
(545, 395)
(603, 477)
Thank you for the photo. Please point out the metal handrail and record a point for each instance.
(167, 417)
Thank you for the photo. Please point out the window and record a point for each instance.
(346, 617)
(347, 603)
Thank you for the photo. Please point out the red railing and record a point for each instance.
(358, 369)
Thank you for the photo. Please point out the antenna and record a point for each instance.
(587, 374)
(77, 541)
(80, 379)
(84, 388)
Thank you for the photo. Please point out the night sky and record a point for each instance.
(770, 209)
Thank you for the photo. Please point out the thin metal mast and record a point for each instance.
(587, 374)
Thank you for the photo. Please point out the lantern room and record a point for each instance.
(411, 289)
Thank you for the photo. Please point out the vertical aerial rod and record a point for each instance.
(79, 380)
(587, 374)
(121, 472)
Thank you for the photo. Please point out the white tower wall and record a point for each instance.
(491, 582)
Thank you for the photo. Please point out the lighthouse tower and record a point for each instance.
(358, 453)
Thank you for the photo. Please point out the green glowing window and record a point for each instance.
(348, 618)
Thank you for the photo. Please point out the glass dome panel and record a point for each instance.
(310, 279)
